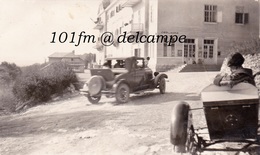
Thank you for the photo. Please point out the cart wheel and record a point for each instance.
(182, 132)
(93, 99)
(162, 85)
(122, 93)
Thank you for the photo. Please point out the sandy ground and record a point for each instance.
(74, 126)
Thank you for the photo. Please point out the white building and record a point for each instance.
(210, 27)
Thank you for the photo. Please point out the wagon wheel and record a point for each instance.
(122, 93)
(93, 99)
(182, 131)
(190, 143)
(162, 85)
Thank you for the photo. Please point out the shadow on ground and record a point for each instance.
(68, 122)
(157, 98)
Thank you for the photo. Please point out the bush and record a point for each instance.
(251, 46)
(38, 85)
(7, 99)
(8, 74)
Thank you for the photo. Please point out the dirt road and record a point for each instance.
(74, 126)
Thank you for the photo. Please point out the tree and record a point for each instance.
(9, 72)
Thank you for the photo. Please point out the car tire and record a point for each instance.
(182, 131)
(95, 85)
(122, 93)
(93, 99)
(162, 85)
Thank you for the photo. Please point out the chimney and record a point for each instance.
(73, 52)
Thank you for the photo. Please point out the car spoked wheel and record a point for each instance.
(93, 99)
(122, 93)
(162, 85)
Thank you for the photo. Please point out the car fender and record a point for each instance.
(114, 88)
(157, 78)
(179, 123)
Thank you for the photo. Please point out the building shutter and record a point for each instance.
(246, 18)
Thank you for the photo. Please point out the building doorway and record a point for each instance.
(208, 51)
(189, 51)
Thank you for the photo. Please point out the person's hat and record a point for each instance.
(236, 59)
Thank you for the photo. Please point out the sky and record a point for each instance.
(26, 28)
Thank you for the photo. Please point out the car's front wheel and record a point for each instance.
(93, 99)
(122, 93)
(162, 85)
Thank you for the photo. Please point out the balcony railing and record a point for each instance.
(99, 46)
(99, 26)
(130, 3)
(133, 28)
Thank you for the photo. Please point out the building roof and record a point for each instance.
(63, 55)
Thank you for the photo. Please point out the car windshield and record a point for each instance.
(118, 63)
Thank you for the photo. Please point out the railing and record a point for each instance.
(99, 26)
(130, 3)
(133, 28)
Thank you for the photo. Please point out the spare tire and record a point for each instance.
(95, 85)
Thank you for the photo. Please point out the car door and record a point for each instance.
(139, 73)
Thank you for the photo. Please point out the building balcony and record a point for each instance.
(130, 3)
(99, 26)
(99, 46)
(133, 28)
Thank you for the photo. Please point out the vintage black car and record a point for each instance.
(121, 77)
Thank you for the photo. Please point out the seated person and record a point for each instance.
(107, 65)
(147, 61)
(238, 73)
(118, 64)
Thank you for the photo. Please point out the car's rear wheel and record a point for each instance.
(122, 93)
(162, 85)
(93, 99)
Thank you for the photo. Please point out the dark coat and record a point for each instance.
(238, 76)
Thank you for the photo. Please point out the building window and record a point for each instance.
(241, 17)
(208, 49)
(219, 53)
(189, 48)
(210, 13)
(179, 53)
(165, 46)
(112, 13)
(172, 50)
(107, 16)
(137, 52)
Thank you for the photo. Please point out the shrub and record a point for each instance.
(7, 98)
(251, 46)
(38, 85)
(8, 73)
